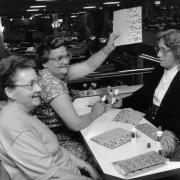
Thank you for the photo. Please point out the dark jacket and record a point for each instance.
(168, 114)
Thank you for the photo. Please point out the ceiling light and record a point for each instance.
(89, 7)
(157, 2)
(55, 25)
(38, 14)
(45, 17)
(82, 12)
(60, 20)
(103, 40)
(74, 13)
(32, 10)
(31, 18)
(40, 6)
(112, 2)
(92, 37)
(46, 0)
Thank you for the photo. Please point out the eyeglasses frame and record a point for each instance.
(164, 51)
(58, 60)
(28, 86)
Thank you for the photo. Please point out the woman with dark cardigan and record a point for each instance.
(159, 98)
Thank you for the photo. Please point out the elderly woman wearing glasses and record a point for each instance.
(159, 98)
(56, 109)
(28, 148)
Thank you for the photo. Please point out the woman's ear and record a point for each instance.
(10, 93)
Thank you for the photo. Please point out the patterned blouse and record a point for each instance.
(51, 88)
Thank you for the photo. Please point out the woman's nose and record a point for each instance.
(159, 54)
(65, 61)
(38, 87)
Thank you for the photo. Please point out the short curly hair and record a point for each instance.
(49, 43)
(8, 68)
(172, 40)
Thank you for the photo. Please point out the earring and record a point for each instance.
(13, 98)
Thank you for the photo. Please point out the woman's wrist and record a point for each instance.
(93, 115)
(107, 50)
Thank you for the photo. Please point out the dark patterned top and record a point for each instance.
(51, 88)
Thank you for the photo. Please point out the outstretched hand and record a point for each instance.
(110, 44)
(111, 98)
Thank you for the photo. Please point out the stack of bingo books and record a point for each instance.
(139, 163)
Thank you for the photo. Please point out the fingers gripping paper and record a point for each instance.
(128, 22)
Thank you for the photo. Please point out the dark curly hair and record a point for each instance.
(8, 68)
(49, 43)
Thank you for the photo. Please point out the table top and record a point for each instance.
(106, 156)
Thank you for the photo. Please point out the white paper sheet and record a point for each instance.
(128, 22)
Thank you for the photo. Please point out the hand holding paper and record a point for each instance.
(110, 46)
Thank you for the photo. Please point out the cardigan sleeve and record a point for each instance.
(141, 99)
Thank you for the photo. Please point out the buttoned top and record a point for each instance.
(164, 84)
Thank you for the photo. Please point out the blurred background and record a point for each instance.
(86, 25)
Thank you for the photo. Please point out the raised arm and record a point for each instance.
(79, 70)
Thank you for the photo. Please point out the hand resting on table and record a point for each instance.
(169, 143)
(98, 109)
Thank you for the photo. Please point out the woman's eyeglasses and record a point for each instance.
(163, 50)
(29, 86)
(60, 58)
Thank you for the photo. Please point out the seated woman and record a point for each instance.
(56, 109)
(159, 97)
(28, 148)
